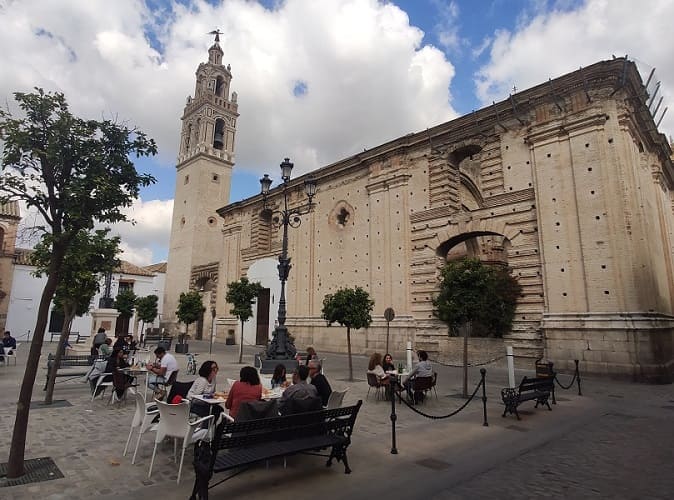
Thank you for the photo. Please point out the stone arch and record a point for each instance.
(219, 86)
(470, 195)
(204, 279)
(219, 134)
(264, 271)
(460, 231)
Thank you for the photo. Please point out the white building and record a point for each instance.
(27, 290)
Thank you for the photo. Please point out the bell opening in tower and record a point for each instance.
(219, 136)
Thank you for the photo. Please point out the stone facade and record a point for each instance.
(9, 223)
(568, 182)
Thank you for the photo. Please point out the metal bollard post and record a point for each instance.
(483, 373)
(578, 377)
(394, 383)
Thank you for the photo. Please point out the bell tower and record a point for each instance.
(203, 177)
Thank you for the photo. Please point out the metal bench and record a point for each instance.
(71, 366)
(72, 336)
(237, 445)
(166, 341)
(530, 389)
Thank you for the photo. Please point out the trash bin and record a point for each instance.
(166, 344)
(544, 369)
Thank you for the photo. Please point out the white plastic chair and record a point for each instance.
(11, 354)
(230, 381)
(174, 422)
(335, 399)
(100, 382)
(142, 421)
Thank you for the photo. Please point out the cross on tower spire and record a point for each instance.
(217, 34)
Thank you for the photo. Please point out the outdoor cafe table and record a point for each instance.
(135, 371)
(397, 377)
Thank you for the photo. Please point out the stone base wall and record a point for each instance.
(636, 346)
(313, 332)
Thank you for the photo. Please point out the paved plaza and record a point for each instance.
(614, 441)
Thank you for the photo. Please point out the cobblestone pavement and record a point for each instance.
(616, 441)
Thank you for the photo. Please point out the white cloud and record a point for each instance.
(150, 230)
(368, 78)
(553, 43)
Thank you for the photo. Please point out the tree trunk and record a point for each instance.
(348, 347)
(17, 449)
(60, 349)
(241, 345)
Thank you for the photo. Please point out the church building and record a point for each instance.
(569, 183)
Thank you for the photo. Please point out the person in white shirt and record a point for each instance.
(161, 372)
(205, 384)
(422, 369)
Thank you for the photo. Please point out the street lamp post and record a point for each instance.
(210, 345)
(280, 347)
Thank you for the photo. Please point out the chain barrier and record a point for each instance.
(451, 365)
(395, 391)
(576, 378)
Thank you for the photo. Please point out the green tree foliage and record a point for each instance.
(90, 255)
(350, 307)
(147, 309)
(76, 173)
(242, 294)
(125, 303)
(473, 291)
(190, 309)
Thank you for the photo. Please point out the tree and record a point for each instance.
(189, 310)
(242, 294)
(75, 173)
(146, 308)
(89, 255)
(125, 303)
(478, 296)
(483, 294)
(351, 308)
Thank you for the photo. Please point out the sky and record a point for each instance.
(317, 80)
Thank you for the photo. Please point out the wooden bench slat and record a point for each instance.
(238, 444)
(530, 389)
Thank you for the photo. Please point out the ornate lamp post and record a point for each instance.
(281, 347)
(106, 301)
(210, 344)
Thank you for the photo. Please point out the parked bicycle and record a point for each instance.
(191, 363)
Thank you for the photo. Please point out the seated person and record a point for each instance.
(133, 345)
(121, 344)
(160, 371)
(311, 354)
(299, 390)
(247, 388)
(319, 381)
(374, 367)
(422, 369)
(8, 345)
(99, 338)
(120, 380)
(105, 349)
(205, 384)
(279, 378)
(388, 365)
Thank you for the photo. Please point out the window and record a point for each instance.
(125, 285)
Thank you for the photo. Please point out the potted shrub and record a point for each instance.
(189, 310)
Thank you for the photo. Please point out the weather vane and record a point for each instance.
(217, 34)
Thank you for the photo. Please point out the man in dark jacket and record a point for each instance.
(319, 381)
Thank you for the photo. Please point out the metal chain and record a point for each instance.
(575, 375)
(435, 417)
(469, 364)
